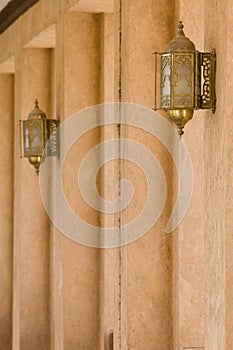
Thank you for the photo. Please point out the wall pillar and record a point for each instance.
(108, 272)
(229, 176)
(188, 239)
(6, 208)
(77, 86)
(218, 198)
(31, 225)
(145, 265)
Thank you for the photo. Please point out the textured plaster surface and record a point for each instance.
(8, 66)
(94, 6)
(218, 159)
(108, 307)
(81, 89)
(45, 39)
(229, 184)
(6, 212)
(160, 292)
(188, 240)
(148, 260)
(31, 227)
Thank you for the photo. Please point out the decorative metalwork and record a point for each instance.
(186, 61)
(39, 137)
(165, 80)
(208, 98)
(52, 143)
(165, 101)
(183, 80)
(187, 80)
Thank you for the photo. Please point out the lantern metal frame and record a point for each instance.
(38, 137)
(200, 81)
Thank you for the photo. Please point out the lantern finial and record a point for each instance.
(37, 113)
(180, 42)
(180, 26)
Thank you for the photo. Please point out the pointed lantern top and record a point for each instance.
(37, 113)
(180, 42)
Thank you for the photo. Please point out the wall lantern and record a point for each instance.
(187, 80)
(35, 133)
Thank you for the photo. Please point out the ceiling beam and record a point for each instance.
(13, 10)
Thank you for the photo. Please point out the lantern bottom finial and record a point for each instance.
(36, 162)
(180, 117)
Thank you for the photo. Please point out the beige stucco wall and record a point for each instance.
(162, 291)
(6, 212)
(188, 240)
(218, 186)
(31, 224)
(81, 86)
(147, 262)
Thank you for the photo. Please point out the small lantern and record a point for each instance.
(187, 80)
(38, 137)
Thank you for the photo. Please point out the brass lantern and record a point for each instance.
(187, 80)
(38, 137)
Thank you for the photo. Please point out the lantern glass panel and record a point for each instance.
(36, 137)
(26, 139)
(165, 80)
(183, 80)
(25, 150)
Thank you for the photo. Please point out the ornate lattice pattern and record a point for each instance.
(165, 62)
(208, 68)
(185, 60)
(52, 147)
(206, 96)
(165, 81)
(165, 101)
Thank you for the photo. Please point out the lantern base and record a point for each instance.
(180, 117)
(36, 162)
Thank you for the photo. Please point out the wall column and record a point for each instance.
(6, 208)
(229, 177)
(77, 86)
(108, 270)
(145, 265)
(31, 225)
(218, 186)
(188, 239)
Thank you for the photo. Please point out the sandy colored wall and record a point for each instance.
(189, 238)
(147, 262)
(162, 291)
(81, 264)
(6, 212)
(218, 189)
(31, 224)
